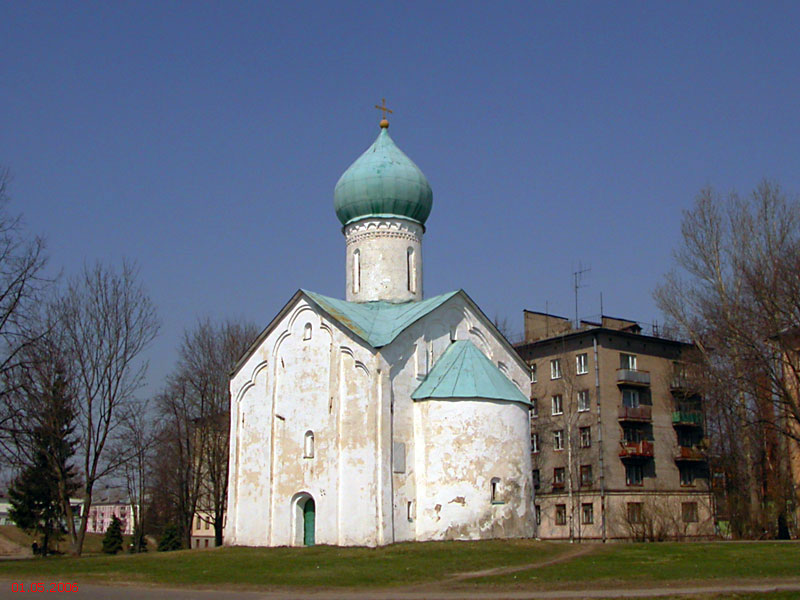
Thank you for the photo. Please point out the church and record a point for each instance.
(387, 416)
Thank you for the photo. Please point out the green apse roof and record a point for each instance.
(463, 371)
(383, 182)
(377, 323)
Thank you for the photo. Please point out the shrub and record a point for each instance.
(112, 541)
(171, 540)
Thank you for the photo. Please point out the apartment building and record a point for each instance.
(616, 433)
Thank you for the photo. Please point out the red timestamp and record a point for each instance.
(42, 586)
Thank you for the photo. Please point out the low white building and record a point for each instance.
(384, 417)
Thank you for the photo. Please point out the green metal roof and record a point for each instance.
(463, 371)
(383, 181)
(377, 323)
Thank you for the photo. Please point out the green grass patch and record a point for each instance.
(320, 566)
(638, 564)
(612, 565)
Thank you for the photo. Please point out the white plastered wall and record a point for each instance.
(411, 356)
(327, 384)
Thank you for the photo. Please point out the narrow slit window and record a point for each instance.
(308, 445)
(356, 271)
(495, 486)
(411, 270)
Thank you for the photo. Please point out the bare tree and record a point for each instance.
(107, 320)
(177, 459)
(197, 405)
(22, 261)
(735, 294)
(138, 438)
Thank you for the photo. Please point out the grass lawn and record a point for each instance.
(320, 566)
(613, 565)
(639, 564)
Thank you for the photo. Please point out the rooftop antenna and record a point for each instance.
(577, 279)
(601, 308)
(546, 318)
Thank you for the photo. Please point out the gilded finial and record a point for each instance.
(382, 107)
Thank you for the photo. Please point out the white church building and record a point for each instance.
(387, 416)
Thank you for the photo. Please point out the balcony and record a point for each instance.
(637, 414)
(687, 418)
(679, 384)
(636, 450)
(633, 377)
(689, 454)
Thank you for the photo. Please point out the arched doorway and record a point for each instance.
(309, 516)
(304, 511)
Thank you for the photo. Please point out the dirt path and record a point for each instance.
(573, 552)
(9, 549)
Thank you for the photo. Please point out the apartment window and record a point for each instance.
(587, 513)
(561, 514)
(198, 523)
(307, 332)
(627, 361)
(206, 525)
(559, 476)
(534, 407)
(555, 368)
(558, 439)
(635, 512)
(689, 512)
(582, 364)
(586, 475)
(533, 373)
(538, 512)
(558, 404)
(586, 437)
(536, 479)
(687, 475)
(583, 401)
(633, 474)
(630, 398)
(534, 443)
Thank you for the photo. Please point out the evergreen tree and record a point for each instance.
(112, 541)
(40, 493)
(35, 506)
(171, 540)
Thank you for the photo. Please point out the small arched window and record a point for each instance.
(308, 445)
(307, 331)
(495, 487)
(411, 269)
(356, 271)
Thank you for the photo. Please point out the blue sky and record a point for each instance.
(203, 140)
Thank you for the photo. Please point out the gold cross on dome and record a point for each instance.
(382, 107)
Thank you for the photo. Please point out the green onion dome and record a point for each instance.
(383, 182)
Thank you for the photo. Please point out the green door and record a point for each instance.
(308, 522)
